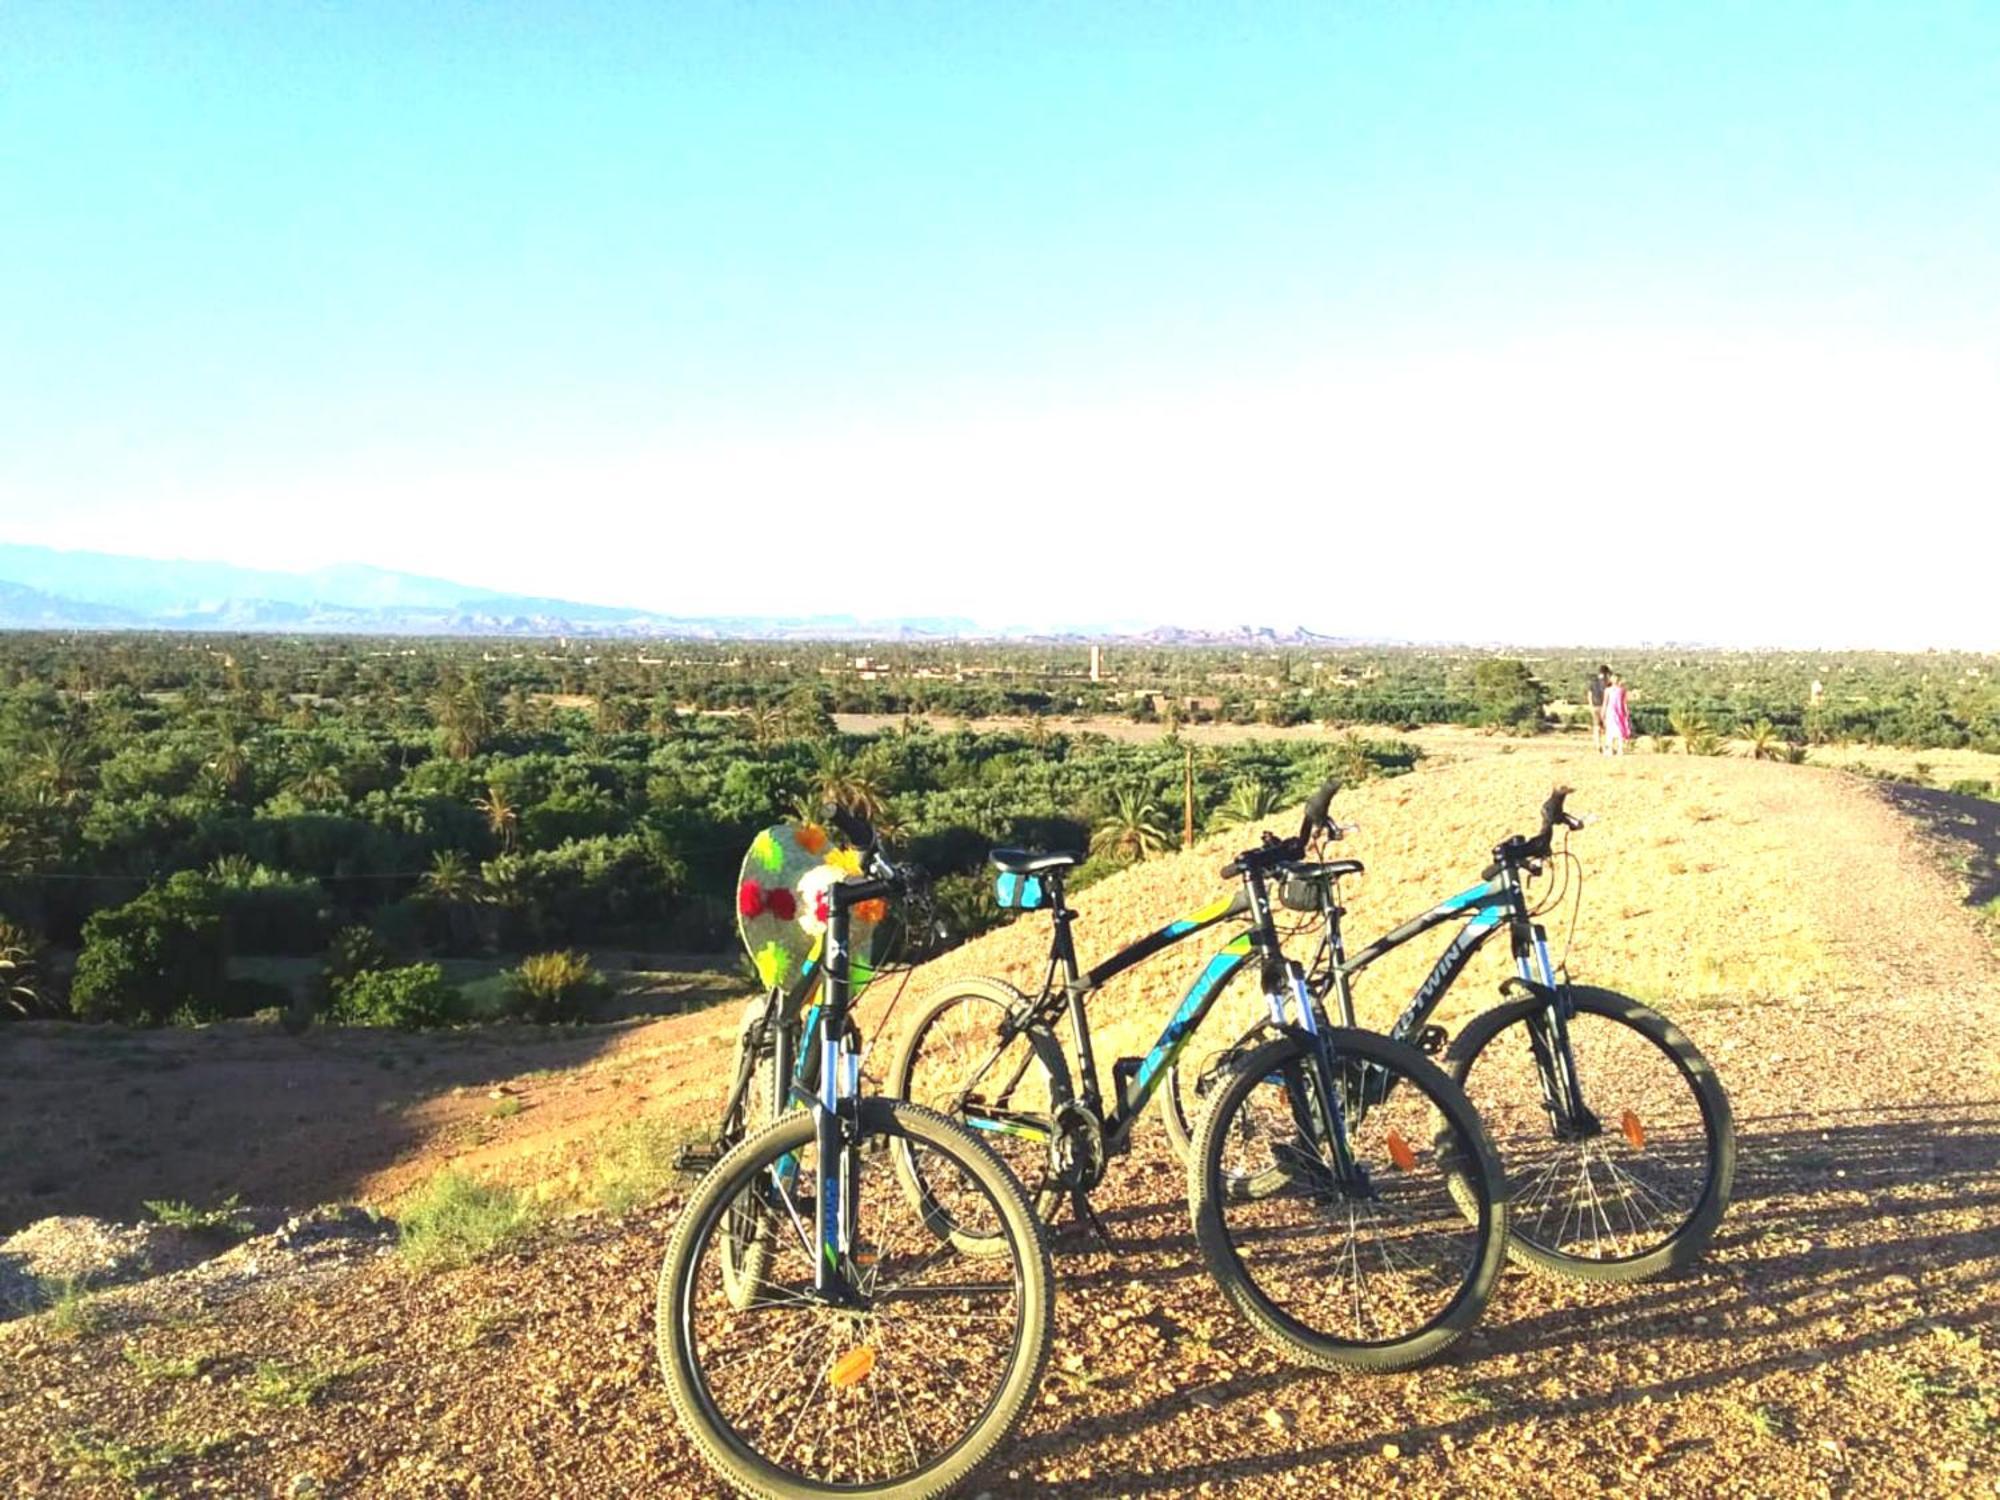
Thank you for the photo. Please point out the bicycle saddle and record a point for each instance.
(1027, 862)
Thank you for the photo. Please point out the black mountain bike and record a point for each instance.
(818, 1333)
(1350, 1248)
(1615, 1132)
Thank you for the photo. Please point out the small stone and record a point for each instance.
(1391, 1452)
(1278, 1421)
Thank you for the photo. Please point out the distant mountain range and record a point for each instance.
(43, 588)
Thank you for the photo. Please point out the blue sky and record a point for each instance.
(1686, 318)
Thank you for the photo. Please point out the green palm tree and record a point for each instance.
(1249, 801)
(1132, 828)
(503, 818)
(230, 765)
(1762, 739)
(454, 885)
(20, 990)
(845, 782)
(451, 877)
(614, 715)
(465, 714)
(318, 778)
(56, 763)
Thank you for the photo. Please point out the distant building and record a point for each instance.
(1096, 663)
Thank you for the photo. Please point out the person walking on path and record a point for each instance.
(1617, 717)
(1595, 688)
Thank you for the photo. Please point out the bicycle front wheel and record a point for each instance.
(1638, 1189)
(905, 1389)
(1354, 1252)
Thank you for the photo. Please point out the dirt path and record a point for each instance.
(1838, 1340)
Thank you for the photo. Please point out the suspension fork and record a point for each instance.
(1313, 1092)
(1548, 1032)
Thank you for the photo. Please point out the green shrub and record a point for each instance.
(454, 1219)
(555, 986)
(409, 998)
(161, 954)
(225, 1218)
(1972, 786)
(1508, 694)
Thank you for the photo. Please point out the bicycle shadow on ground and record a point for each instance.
(1849, 1233)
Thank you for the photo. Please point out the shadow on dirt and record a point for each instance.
(1845, 1234)
(1971, 823)
(100, 1118)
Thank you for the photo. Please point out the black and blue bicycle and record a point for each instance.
(1381, 1221)
(1616, 1134)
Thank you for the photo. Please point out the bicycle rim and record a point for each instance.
(902, 1395)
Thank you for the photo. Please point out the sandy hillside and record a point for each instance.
(1837, 1341)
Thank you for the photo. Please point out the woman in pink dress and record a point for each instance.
(1617, 717)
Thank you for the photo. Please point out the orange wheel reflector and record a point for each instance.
(1634, 1131)
(852, 1367)
(865, 1257)
(1400, 1152)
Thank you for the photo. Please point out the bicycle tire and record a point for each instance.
(1521, 1129)
(912, 1076)
(681, 1302)
(746, 1234)
(1295, 1315)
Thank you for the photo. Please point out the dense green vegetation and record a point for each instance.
(171, 804)
(163, 824)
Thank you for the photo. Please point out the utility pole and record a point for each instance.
(1187, 821)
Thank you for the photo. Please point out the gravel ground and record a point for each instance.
(1836, 1341)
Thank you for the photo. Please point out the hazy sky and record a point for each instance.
(1537, 322)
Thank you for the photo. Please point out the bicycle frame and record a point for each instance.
(1487, 907)
(1067, 989)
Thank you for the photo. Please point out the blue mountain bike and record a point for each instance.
(1616, 1134)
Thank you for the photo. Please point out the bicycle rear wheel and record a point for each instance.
(1371, 1268)
(1642, 1191)
(900, 1395)
(958, 1059)
(745, 1245)
(1236, 1012)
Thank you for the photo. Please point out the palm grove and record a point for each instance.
(174, 811)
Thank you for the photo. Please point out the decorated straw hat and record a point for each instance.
(781, 905)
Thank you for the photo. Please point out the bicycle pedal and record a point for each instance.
(697, 1160)
(1431, 1040)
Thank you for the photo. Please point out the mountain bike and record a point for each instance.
(1616, 1134)
(818, 1334)
(1371, 1186)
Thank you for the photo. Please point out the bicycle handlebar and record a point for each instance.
(1274, 851)
(1520, 850)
